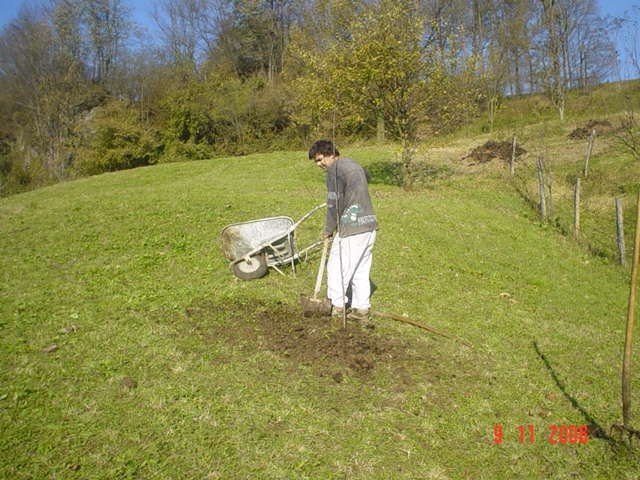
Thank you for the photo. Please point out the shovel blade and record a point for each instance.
(315, 306)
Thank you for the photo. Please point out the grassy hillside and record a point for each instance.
(128, 349)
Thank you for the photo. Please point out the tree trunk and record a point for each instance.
(380, 128)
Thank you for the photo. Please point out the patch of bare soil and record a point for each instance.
(491, 150)
(318, 342)
(438, 370)
(600, 126)
(321, 341)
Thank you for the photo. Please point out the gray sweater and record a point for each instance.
(354, 208)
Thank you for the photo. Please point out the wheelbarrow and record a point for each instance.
(252, 247)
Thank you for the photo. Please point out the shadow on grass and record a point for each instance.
(595, 429)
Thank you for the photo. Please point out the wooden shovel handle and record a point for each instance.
(323, 261)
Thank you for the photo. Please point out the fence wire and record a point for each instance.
(597, 211)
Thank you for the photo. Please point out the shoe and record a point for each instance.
(337, 311)
(359, 314)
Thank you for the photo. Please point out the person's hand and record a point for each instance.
(324, 235)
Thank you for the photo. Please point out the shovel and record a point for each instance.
(314, 305)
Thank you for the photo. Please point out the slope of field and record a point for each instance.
(128, 349)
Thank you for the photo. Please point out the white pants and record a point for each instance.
(354, 271)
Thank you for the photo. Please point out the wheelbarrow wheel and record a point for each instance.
(255, 267)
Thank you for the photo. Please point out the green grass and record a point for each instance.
(521, 115)
(123, 273)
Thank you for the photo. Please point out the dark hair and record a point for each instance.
(323, 147)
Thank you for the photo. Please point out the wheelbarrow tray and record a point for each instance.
(253, 246)
(274, 236)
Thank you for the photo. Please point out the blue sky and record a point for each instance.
(142, 14)
(616, 7)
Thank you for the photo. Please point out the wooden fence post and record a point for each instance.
(592, 139)
(541, 188)
(620, 232)
(576, 209)
(512, 164)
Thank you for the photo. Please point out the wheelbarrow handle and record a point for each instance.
(306, 215)
(323, 261)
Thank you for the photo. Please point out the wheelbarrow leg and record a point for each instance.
(278, 270)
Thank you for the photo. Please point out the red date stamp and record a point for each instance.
(556, 435)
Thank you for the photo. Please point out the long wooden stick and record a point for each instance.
(592, 138)
(403, 319)
(622, 256)
(323, 262)
(576, 209)
(512, 163)
(631, 314)
(541, 189)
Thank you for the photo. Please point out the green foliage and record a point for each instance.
(181, 151)
(393, 173)
(112, 137)
(6, 165)
(22, 167)
(254, 37)
(374, 74)
(381, 79)
(187, 115)
(226, 114)
(14, 175)
(453, 99)
(272, 74)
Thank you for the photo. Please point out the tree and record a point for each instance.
(43, 85)
(189, 29)
(374, 77)
(113, 138)
(508, 54)
(254, 36)
(56, 64)
(630, 26)
(107, 26)
(587, 52)
(239, 75)
(552, 74)
(447, 22)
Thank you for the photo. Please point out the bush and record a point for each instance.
(225, 114)
(112, 138)
(178, 152)
(454, 100)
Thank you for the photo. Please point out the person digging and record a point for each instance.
(352, 223)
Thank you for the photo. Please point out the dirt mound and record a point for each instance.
(401, 367)
(324, 341)
(492, 149)
(318, 342)
(600, 126)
